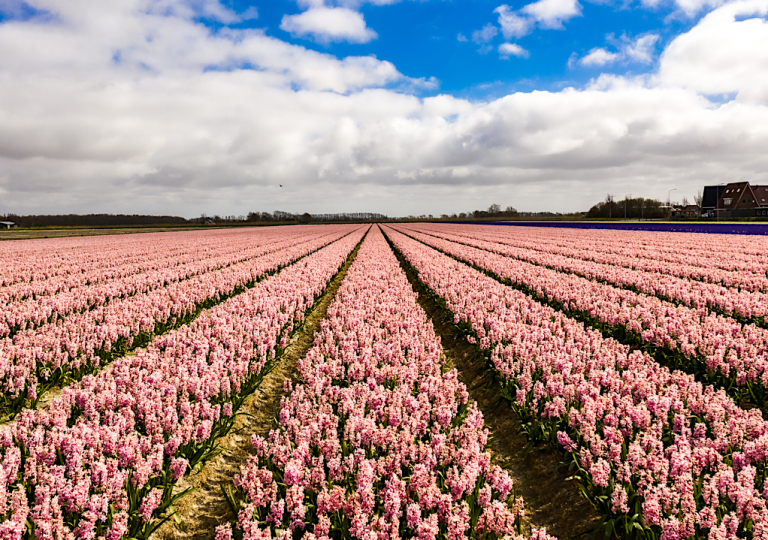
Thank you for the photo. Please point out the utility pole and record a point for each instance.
(717, 204)
(669, 201)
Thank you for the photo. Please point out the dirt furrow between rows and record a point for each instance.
(551, 500)
(199, 513)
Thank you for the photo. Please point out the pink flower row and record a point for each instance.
(648, 440)
(739, 353)
(102, 459)
(57, 297)
(734, 260)
(697, 259)
(33, 355)
(684, 289)
(32, 266)
(377, 438)
(61, 267)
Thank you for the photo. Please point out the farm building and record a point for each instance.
(737, 199)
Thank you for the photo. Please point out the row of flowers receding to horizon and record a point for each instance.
(656, 452)
(26, 306)
(716, 349)
(35, 360)
(103, 459)
(27, 266)
(746, 307)
(731, 260)
(377, 438)
(29, 263)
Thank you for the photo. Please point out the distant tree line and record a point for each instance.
(629, 208)
(279, 215)
(494, 210)
(92, 220)
(119, 220)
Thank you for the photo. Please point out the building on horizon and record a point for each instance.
(737, 199)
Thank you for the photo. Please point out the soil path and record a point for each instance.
(551, 501)
(200, 512)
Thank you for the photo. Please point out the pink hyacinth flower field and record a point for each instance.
(635, 362)
(377, 437)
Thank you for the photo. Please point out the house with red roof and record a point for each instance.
(740, 199)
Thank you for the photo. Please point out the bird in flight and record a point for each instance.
(281, 185)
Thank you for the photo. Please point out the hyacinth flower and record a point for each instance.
(46, 267)
(740, 303)
(38, 359)
(377, 438)
(716, 349)
(102, 459)
(734, 262)
(90, 285)
(657, 453)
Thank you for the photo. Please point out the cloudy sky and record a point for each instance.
(394, 106)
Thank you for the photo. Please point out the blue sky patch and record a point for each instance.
(435, 39)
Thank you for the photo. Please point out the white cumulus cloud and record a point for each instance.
(640, 50)
(690, 8)
(250, 14)
(512, 24)
(726, 52)
(552, 13)
(136, 107)
(546, 14)
(329, 24)
(485, 34)
(512, 49)
(598, 57)
(351, 4)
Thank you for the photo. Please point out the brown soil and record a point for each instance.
(199, 513)
(551, 501)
